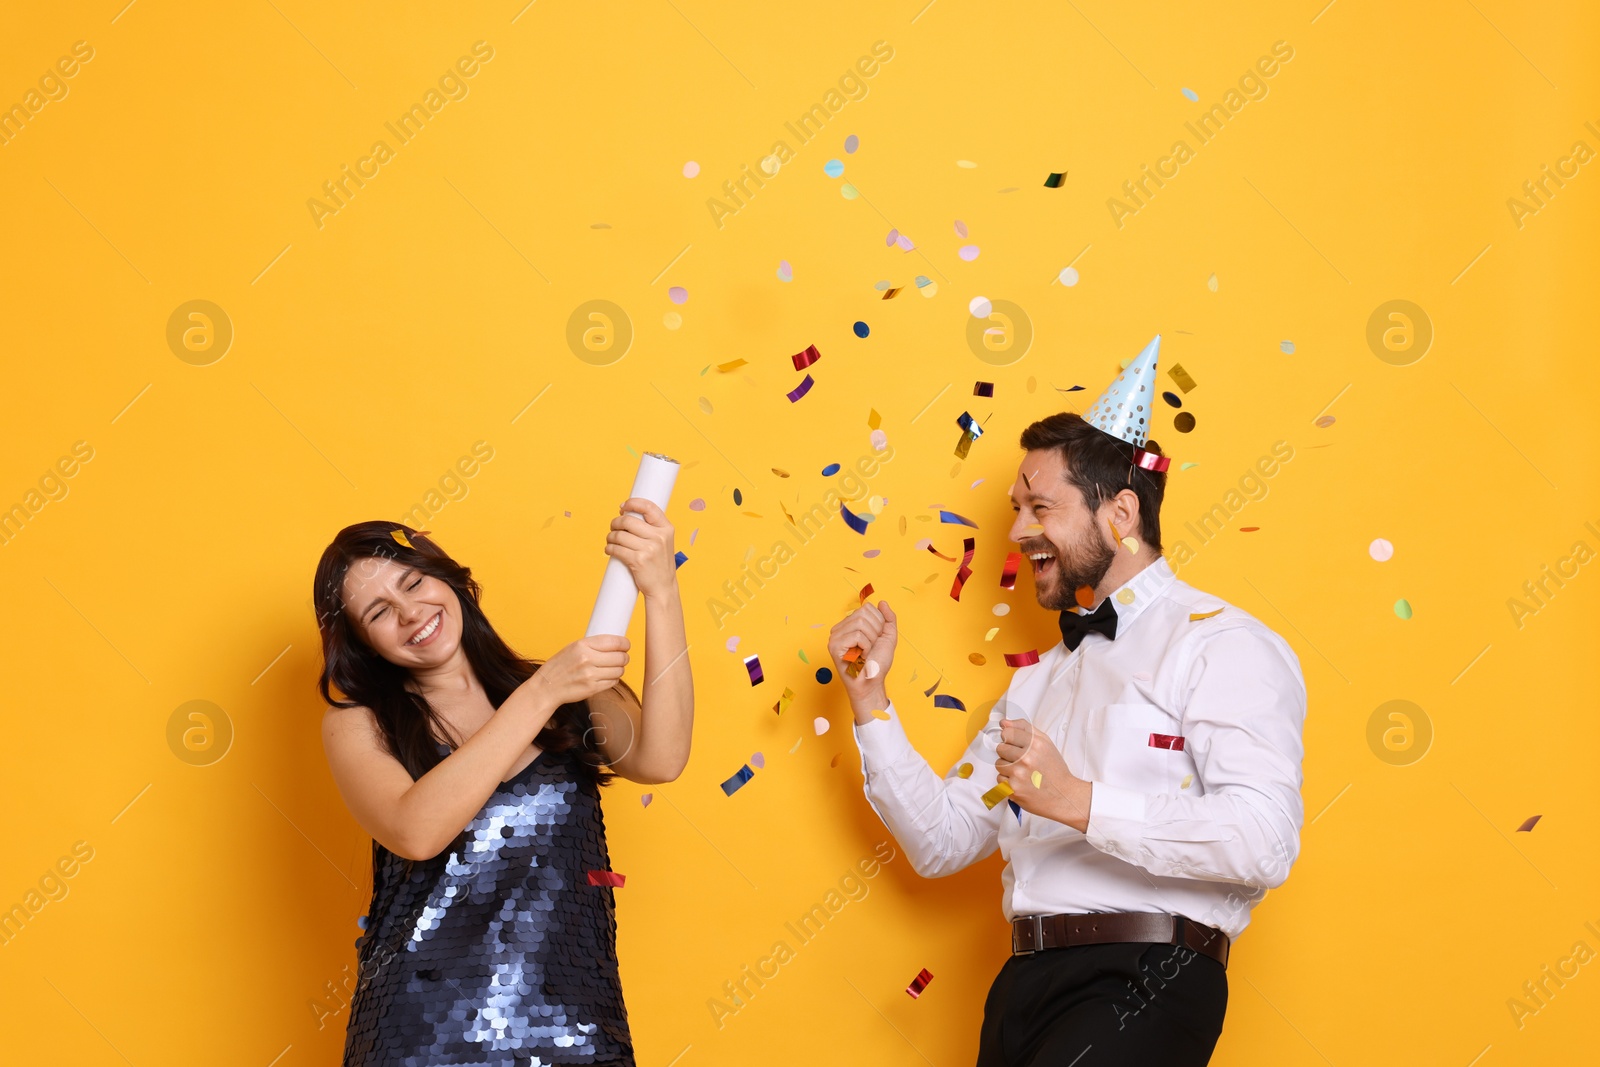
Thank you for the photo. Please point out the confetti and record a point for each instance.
(890, 238)
(1001, 609)
(802, 360)
(758, 760)
(672, 320)
(1402, 608)
(945, 700)
(1529, 823)
(1190, 95)
(740, 777)
(1286, 347)
(1248, 529)
(904, 243)
(1181, 376)
(880, 440)
(1131, 545)
(952, 517)
(861, 329)
(919, 983)
(865, 592)
(969, 424)
(1324, 421)
(691, 169)
(1068, 276)
(835, 761)
(854, 521)
(679, 559)
(752, 664)
(1037, 778)
(1016, 809)
(966, 164)
(611, 878)
(1001, 791)
(968, 546)
(800, 390)
(738, 497)
(977, 659)
(1054, 180)
(980, 307)
(1211, 283)
(1172, 399)
(734, 365)
(733, 644)
(853, 660)
(678, 294)
(1022, 659)
(830, 470)
(1084, 595)
(820, 725)
(851, 143)
(891, 293)
(784, 701)
(796, 746)
(785, 271)
(964, 771)
(879, 713)
(1381, 550)
(833, 168)
(646, 799)
(361, 921)
(1188, 780)
(848, 191)
(1125, 596)
(400, 536)
(1008, 573)
(824, 675)
(1171, 742)
(992, 631)
(928, 692)
(1183, 421)
(983, 389)
(1204, 615)
(705, 405)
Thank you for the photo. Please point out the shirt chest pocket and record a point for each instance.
(1139, 746)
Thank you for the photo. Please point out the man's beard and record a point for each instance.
(1086, 565)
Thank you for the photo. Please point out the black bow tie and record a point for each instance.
(1074, 626)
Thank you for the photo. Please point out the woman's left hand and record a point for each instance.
(644, 546)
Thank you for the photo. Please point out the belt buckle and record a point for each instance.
(1035, 930)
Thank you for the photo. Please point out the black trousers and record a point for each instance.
(1092, 1005)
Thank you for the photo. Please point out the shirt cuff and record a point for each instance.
(883, 742)
(1116, 820)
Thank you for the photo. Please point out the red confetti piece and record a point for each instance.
(1167, 741)
(919, 983)
(800, 390)
(1528, 825)
(1022, 659)
(1008, 575)
(1248, 529)
(866, 591)
(611, 878)
(802, 360)
(968, 547)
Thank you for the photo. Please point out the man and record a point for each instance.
(1142, 779)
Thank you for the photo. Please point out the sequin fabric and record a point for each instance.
(497, 951)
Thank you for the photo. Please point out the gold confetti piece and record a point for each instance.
(880, 714)
(1204, 615)
(977, 659)
(1211, 283)
(835, 761)
(781, 474)
(1115, 534)
(1038, 777)
(964, 771)
(735, 365)
(994, 796)
(1181, 376)
(1125, 596)
(874, 420)
(1188, 780)
(796, 745)
(1131, 545)
(784, 701)
(705, 405)
(1529, 823)
(400, 536)
(890, 294)
(992, 631)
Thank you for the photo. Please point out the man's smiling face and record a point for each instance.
(1067, 544)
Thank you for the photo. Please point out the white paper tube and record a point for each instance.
(613, 607)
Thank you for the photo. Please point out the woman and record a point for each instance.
(477, 773)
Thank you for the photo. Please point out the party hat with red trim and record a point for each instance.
(1125, 408)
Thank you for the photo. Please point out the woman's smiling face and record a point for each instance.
(409, 618)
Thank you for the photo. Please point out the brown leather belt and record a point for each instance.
(1030, 933)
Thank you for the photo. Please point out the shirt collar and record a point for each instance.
(1133, 597)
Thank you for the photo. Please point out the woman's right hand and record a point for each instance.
(580, 670)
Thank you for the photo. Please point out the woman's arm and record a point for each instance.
(650, 743)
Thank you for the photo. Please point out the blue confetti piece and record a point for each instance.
(830, 469)
(1191, 95)
(854, 521)
(1172, 398)
(740, 777)
(1015, 808)
(952, 517)
(833, 168)
(969, 424)
(680, 558)
(861, 329)
(944, 700)
(362, 922)
(824, 675)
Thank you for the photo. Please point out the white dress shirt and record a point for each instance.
(1203, 831)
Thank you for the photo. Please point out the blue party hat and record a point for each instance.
(1124, 409)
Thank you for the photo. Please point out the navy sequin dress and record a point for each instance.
(497, 951)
